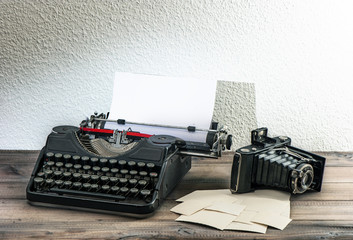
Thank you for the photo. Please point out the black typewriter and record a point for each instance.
(123, 172)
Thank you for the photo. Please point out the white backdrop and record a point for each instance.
(57, 62)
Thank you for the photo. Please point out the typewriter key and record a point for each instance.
(84, 160)
(94, 188)
(122, 181)
(122, 164)
(94, 161)
(141, 166)
(67, 184)
(132, 182)
(86, 186)
(115, 189)
(150, 166)
(131, 164)
(67, 175)
(142, 183)
(58, 174)
(58, 157)
(49, 182)
(124, 190)
(103, 162)
(133, 192)
(76, 176)
(133, 173)
(59, 183)
(153, 174)
(143, 174)
(59, 166)
(114, 171)
(77, 185)
(77, 167)
(104, 179)
(66, 158)
(50, 165)
(144, 193)
(48, 173)
(105, 188)
(49, 156)
(124, 172)
(113, 180)
(112, 163)
(105, 170)
(76, 159)
(85, 177)
(94, 178)
(68, 167)
(38, 181)
(86, 168)
(40, 174)
(96, 169)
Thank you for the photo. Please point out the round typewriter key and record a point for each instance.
(59, 165)
(153, 174)
(104, 179)
(49, 156)
(134, 191)
(84, 160)
(144, 193)
(86, 177)
(142, 183)
(133, 173)
(58, 157)
(38, 181)
(105, 170)
(112, 162)
(96, 169)
(94, 187)
(48, 173)
(113, 180)
(66, 158)
(59, 183)
(40, 174)
(114, 171)
(94, 161)
(50, 164)
(141, 165)
(122, 181)
(124, 172)
(86, 186)
(76, 159)
(122, 163)
(49, 182)
(103, 162)
(131, 164)
(150, 166)
(115, 189)
(124, 190)
(143, 174)
(67, 175)
(94, 178)
(68, 166)
(76, 176)
(132, 182)
(86, 168)
(58, 174)
(77, 167)
(77, 185)
(105, 188)
(67, 184)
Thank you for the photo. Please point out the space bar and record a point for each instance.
(87, 194)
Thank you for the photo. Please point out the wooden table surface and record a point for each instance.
(328, 214)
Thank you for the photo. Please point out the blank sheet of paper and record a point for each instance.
(163, 100)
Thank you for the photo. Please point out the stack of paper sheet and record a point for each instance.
(220, 209)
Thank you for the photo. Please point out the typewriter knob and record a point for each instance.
(229, 141)
(65, 129)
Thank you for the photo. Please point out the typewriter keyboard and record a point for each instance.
(96, 178)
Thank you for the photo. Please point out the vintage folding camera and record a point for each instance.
(273, 163)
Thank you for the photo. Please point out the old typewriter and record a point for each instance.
(120, 171)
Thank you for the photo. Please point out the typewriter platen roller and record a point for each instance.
(125, 172)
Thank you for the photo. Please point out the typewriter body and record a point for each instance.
(122, 172)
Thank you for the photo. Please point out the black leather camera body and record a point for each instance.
(273, 163)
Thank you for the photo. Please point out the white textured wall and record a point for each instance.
(58, 58)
